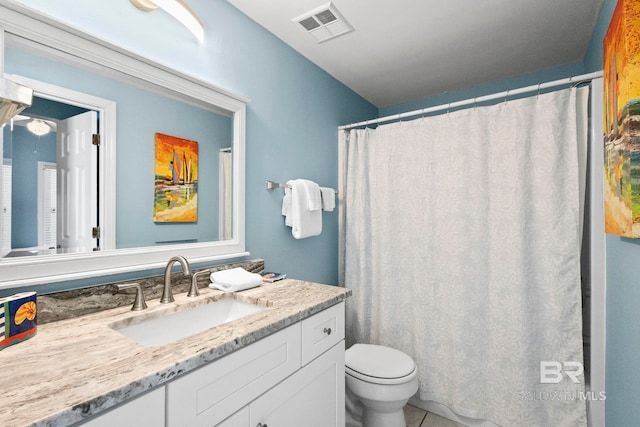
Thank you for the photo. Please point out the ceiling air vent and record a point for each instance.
(324, 23)
(309, 24)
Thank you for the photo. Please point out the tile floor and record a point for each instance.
(416, 417)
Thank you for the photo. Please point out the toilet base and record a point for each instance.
(383, 414)
(383, 419)
(373, 410)
(350, 422)
(375, 420)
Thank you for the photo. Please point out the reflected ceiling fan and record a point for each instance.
(36, 125)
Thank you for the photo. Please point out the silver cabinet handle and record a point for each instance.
(327, 331)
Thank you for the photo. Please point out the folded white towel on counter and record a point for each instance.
(303, 221)
(234, 280)
(328, 198)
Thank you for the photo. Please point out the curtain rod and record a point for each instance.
(532, 88)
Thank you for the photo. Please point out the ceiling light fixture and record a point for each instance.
(38, 127)
(179, 10)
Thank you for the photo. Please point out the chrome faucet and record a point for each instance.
(167, 295)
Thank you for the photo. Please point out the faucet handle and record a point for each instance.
(139, 303)
(193, 290)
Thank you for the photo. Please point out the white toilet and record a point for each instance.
(379, 382)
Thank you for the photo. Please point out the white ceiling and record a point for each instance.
(405, 50)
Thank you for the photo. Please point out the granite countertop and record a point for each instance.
(78, 367)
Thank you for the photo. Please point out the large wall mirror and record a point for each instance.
(118, 165)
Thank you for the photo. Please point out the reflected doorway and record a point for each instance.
(49, 174)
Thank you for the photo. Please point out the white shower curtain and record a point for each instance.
(461, 245)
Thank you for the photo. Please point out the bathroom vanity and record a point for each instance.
(282, 365)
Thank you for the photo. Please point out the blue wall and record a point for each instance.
(488, 89)
(292, 117)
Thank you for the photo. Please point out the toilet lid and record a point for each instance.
(376, 361)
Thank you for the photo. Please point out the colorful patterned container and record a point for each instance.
(18, 318)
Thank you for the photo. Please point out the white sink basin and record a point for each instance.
(173, 326)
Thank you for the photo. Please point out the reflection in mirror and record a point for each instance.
(36, 220)
(141, 183)
(134, 99)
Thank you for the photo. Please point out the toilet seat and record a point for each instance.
(379, 365)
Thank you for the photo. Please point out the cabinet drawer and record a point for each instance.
(212, 393)
(322, 331)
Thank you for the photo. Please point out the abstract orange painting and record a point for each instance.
(622, 120)
(176, 179)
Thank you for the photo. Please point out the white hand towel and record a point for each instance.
(234, 280)
(303, 222)
(286, 206)
(314, 197)
(328, 198)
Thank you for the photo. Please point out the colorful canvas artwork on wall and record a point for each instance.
(622, 120)
(176, 179)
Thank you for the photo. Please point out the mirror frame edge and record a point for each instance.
(32, 25)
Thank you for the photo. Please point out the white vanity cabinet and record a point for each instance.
(142, 411)
(291, 378)
(312, 397)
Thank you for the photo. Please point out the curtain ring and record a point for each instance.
(538, 95)
(474, 102)
(506, 97)
(448, 108)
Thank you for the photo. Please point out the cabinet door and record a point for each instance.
(144, 411)
(312, 397)
(239, 419)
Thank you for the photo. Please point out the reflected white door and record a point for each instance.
(47, 205)
(77, 183)
(5, 213)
